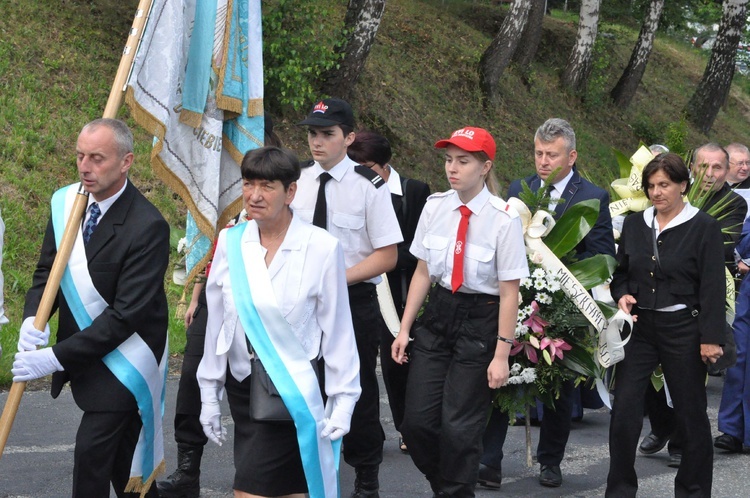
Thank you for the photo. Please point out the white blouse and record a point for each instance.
(309, 281)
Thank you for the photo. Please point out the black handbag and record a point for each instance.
(266, 405)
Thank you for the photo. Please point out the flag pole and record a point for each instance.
(114, 102)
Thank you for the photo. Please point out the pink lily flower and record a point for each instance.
(556, 347)
(534, 321)
(528, 349)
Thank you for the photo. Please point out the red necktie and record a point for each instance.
(457, 277)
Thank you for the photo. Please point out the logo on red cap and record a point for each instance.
(320, 107)
(464, 132)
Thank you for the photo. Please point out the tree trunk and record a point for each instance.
(532, 35)
(624, 91)
(498, 55)
(578, 69)
(713, 88)
(361, 23)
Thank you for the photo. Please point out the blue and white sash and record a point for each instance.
(283, 357)
(133, 362)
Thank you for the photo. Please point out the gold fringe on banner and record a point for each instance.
(136, 484)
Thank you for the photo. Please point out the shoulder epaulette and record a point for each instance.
(438, 195)
(374, 178)
(306, 164)
(503, 207)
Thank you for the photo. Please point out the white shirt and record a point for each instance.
(394, 182)
(360, 215)
(495, 249)
(556, 190)
(103, 205)
(309, 282)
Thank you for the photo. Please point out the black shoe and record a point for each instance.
(728, 443)
(366, 483)
(550, 476)
(488, 477)
(675, 459)
(185, 481)
(652, 443)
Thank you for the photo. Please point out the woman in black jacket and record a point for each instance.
(670, 277)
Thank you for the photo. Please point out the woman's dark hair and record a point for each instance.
(271, 163)
(369, 146)
(671, 164)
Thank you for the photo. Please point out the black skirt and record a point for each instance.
(267, 461)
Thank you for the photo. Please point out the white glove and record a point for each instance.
(211, 422)
(337, 425)
(35, 364)
(29, 337)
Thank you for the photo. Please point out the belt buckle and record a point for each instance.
(694, 313)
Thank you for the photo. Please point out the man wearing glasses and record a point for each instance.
(739, 169)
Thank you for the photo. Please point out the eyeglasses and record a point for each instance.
(740, 163)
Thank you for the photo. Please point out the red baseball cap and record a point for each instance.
(470, 139)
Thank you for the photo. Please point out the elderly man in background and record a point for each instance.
(738, 177)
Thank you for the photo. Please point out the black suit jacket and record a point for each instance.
(731, 218)
(408, 209)
(128, 255)
(600, 239)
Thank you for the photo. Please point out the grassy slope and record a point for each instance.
(58, 58)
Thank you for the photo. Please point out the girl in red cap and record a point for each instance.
(470, 246)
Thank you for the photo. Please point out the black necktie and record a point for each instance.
(321, 208)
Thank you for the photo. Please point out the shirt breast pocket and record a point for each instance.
(480, 261)
(437, 254)
(347, 228)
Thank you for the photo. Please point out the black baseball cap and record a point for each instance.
(330, 112)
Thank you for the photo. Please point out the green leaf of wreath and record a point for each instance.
(572, 227)
(593, 271)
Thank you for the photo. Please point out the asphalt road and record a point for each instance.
(38, 458)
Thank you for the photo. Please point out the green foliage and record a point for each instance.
(593, 271)
(647, 129)
(677, 137)
(572, 227)
(299, 41)
(598, 88)
(675, 15)
(623, 163)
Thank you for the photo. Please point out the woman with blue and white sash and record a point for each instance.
(277, 287)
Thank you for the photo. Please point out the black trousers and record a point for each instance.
(662, 418)
(553, 435)
(105, 443)
(394, 378)
(672, 339)
(363, 446)
(187, 426)
(447, 394)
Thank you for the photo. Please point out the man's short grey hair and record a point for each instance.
(736, 147)
(710, 147)
(554, 128)
(123, 135)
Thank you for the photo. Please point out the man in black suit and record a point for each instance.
(112, 317)
(554, 148)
